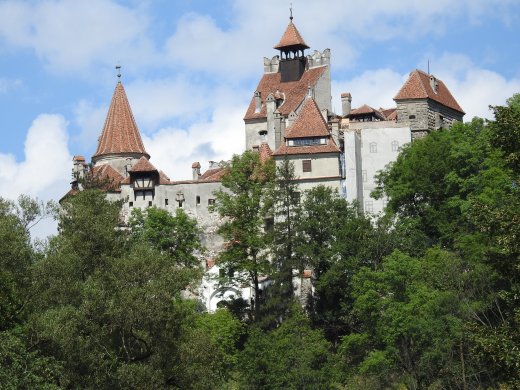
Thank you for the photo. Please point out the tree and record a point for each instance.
(292, 356)
(178, 235)
(412, 314)
(243, 205)
(285, 200)
(22, 367)
(109, 308)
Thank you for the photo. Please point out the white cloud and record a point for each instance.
(373, 87)
(474, 87)
(173, 150)
(71, 36)
(44, 172)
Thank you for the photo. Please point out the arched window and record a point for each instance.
(373, 147)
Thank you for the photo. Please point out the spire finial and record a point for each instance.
(290, 10)
(118, 68)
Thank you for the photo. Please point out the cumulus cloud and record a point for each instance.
(44, 171)
(373, 87)
(474, 87)
(173, 149)
(74, 35)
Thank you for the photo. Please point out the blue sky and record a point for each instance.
(190, 68)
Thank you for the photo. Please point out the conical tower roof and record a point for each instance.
(291, 39)
(120, 135)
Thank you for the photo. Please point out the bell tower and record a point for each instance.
(292, 53)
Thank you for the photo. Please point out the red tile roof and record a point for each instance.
(365, 110)
(143, 165)
(291, 37)
(212, 175)
(163, 179)
(330, 147)
(196, 164)
(105, 172)
(120, 133)
(309, 123)
(294, 91)
(78, 158)
(265, 152)
(418, 87)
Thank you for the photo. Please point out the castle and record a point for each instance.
(289, 116)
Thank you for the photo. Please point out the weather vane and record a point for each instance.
(118, 68)
(290, 10)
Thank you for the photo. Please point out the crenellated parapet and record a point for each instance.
(271, 65)
(318, 58)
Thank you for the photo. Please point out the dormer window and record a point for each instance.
(434, 84)
(307, 141)
(143, 183)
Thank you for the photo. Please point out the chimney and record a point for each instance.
(258, 102)
(346, 103)
(79, 167)
(195, 168)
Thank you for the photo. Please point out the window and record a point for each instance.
(369, 206)
(373, 147)
(306, 141)
(307, 166)
(131, 204)
(166, 202)
(211, 202)
(149, 203)
(180, 203)
(395, 146)
(411, 116)
(197, 200)
(364, 175)
(296, 196)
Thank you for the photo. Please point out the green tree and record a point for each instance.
(109, 307)
(176, 235)
(412, 314)
(292, 356)
(285, 201)
(21, 366)
(243, 205)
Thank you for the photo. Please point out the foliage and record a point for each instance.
(107, 306)
(242, 205)
(176, 235)
(293, 356)
(283, 239)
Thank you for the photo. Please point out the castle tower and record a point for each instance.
(427, 104)
(120, 144)
(286, 81)
(292, 54)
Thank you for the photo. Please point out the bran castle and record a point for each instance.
(289, 116)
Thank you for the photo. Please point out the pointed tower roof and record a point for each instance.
(120, 134)
(291, 39)
(309, 123)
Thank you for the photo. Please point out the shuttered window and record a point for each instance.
(307, 167)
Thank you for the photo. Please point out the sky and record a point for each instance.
(190, 68)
